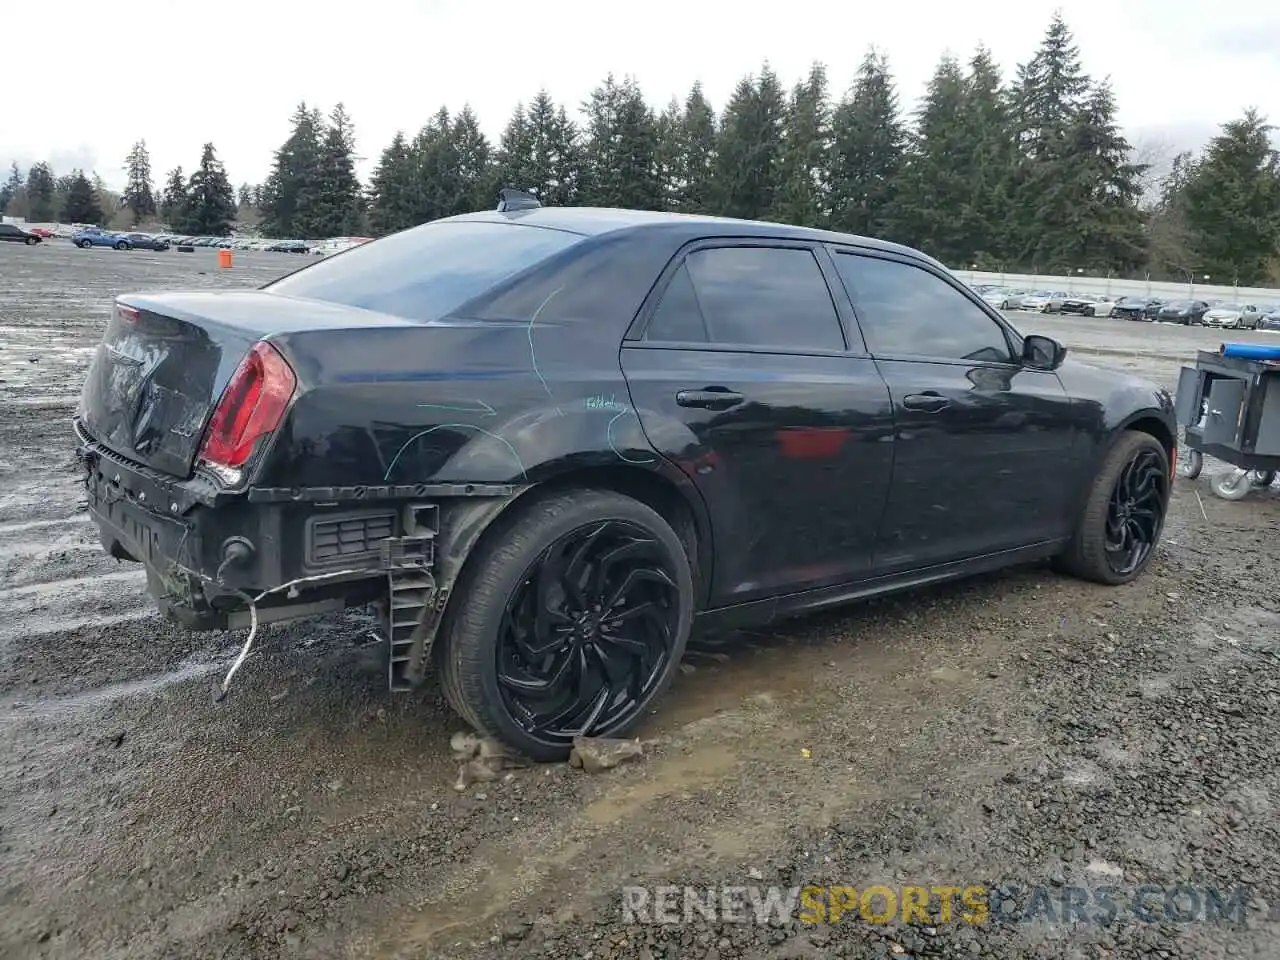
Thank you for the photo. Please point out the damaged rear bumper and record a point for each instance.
(206, 552)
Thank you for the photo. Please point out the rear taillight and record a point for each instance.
(251, 407)
(127, 313)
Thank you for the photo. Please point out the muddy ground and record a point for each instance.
(1014, 732)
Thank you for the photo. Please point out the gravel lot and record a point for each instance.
(1015, 731)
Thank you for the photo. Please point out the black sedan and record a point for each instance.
(12, 233)
(1136, 308)
(144, 241)
(1185, 312)
(545, 441)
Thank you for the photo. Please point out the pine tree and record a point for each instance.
(435, 185)
(41, 194)
(210, 198)
(995, 160)
(288, 194)
(1233, 202)
(1169, 236)
(173, 201)
(336, 210)
(869, 142)
(668, 155)
(620, 147)
(1113, 235)
(81, 204)
(139, 196)
(540, 151)
(803, 196)
(749, 148)
(477, 187)
(697, 154)
(1050, 188)
(11, 186)
(935, 192)
(390, 189)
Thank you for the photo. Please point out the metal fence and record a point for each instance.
(1192, 289)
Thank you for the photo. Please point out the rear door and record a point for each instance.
(984, 447)
(740, 374)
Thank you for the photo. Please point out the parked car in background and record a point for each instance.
(96, 237)
(996, 296)
(289, 246)
(12, 233)
(144, 241)
(1186, 312)
(548, 566)
(1235, 316)
(1270, 319)
(1136, 308)
(1013, 299)
(1081, 303)
(1042, 301)
(1101, 307)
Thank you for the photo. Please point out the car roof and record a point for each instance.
(598, 221)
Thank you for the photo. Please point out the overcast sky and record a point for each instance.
(231, 71)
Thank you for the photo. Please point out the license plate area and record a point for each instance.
(152, 539)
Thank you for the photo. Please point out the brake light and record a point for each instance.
(127, 313)
(251, 407)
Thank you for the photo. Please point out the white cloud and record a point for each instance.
(1178, 69)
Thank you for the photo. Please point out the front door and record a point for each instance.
(741, 376)
(985, 447)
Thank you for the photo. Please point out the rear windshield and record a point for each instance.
(428, 271)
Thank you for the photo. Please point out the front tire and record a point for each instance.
(572, 621)
(122, 245)
(1119, 527)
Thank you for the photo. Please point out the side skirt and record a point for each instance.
(759, 612)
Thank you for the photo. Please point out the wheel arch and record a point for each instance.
(469, 525)
(1151, 422)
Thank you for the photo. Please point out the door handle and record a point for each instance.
(709, 398)
(928, 402)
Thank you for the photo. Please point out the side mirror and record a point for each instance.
(1042, 353)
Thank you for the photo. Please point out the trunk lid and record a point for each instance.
(165, 359)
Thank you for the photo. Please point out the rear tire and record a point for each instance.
(1123, 515)
(580, 607)
(122, 245)
(86, 244)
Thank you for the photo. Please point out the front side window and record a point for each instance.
(905, 310)
(425, 272)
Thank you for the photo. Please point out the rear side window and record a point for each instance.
(771, 297)
(428, 271)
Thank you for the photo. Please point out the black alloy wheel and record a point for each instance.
(1123, 514)
(1135, 512)
(568, 620)
(589, 632)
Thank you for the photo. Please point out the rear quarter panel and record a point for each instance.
(528, 385)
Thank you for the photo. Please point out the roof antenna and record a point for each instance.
(512, 199)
